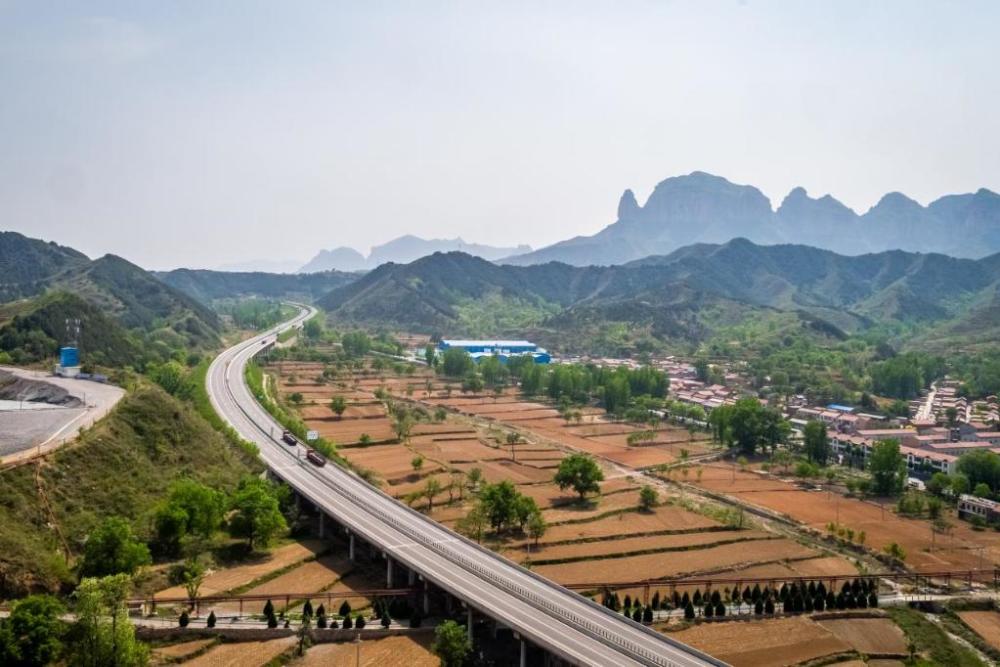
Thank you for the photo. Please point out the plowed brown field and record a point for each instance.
(868, 635)
(777, 642)
(986, 624)
(410, 650)
(674, 564)
(881, 524)
(234, 577)
(243, 654)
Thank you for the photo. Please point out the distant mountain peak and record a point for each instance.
(628, 207)
(897, 201)
(799, 208)
(700, 207)
(402, 250)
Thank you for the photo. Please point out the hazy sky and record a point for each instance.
(201, 133)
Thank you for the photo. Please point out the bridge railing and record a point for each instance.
(605, 634)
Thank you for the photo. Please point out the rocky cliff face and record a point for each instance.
(702, 208)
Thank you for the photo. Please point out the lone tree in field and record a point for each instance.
(338, 405)
(648, 498)
(451, 644)
(536, 526)
(417, 462)
(431, 489)
(581, 473)
(402, 427)
(513, 438)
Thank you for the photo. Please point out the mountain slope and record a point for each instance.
(122, 467)
(114, 287)
(702, 208)
(682, 295)
(401, 251)
(26, 263)
(207, 286)
(39, 329)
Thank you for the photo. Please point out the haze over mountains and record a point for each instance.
(402, 250)
(702, 208)
(684, 295)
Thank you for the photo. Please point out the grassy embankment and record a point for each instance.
(934, 646)
(120, 467)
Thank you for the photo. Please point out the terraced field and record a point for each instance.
(605, 540)
(960, 549)
(243, 654)
(410, 651)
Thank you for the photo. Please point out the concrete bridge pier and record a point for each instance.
(350, 548)
(388, 571)
(427, 598)
(322, 525)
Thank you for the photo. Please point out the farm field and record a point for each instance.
(326, 576)
(986, 624)
(243, 654)
(684, 563)
(227, 579)
(410, 650)
(173, 652)
(661, 519)
(605, 539)
(868, 635)
(881, 525)
(773, 642)
(624, 545)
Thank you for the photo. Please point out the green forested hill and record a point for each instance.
(51, 281)
(685, 296)
(209, 286)
(26, 264)
(37, 332)
(121, 467)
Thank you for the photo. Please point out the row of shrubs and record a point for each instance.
(383, 612)
(794, 598)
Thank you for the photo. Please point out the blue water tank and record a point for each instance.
(69, 356)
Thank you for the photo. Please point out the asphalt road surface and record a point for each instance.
(564, 623)
(28, 430)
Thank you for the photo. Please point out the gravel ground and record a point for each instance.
(23, 431)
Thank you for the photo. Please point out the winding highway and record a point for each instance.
(565, 624)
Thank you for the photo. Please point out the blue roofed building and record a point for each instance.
(502, 349)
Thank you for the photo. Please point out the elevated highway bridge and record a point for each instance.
(566, 626)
